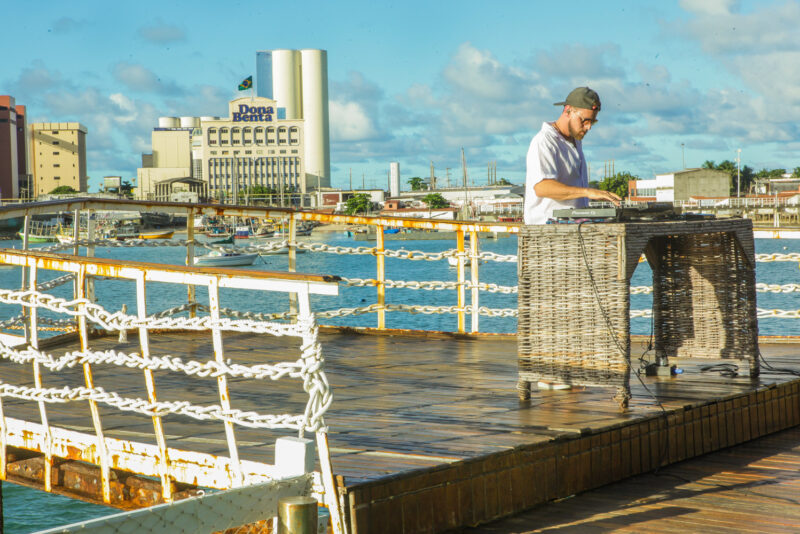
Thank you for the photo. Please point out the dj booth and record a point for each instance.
(574, 296)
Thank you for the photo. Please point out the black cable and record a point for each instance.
(613, 335)
(779, 370)
(730, 370)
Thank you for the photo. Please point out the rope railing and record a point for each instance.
(81, 314)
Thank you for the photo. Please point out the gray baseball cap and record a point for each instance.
(582, 97)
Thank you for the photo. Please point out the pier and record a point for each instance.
(437, 439)
(399, 430)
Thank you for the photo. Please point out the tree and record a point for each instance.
(415, 183)
(503, 181)
(126, 189)
(358, 203)
(63, 190)
(796, 172)
(435, 201)
(617, 183)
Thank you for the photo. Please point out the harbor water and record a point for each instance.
(27, 510)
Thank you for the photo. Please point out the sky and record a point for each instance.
(681, 81)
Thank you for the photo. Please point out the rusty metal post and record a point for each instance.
(297, 515)
(292, 259)
(381, 276)
(158, 427)
(461, 292)
(473, 254)
(191, 293)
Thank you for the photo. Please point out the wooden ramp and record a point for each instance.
(427, 432)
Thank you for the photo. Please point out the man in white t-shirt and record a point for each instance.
(557, 176)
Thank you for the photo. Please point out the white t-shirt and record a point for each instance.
(551, 156)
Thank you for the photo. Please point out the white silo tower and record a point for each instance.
(286, 84)
(394, 179)
(314, 68)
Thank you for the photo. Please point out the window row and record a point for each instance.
(259, 135)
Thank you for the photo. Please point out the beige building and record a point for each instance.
(216, 157)
(168, 169)
(58, 156)
(252, 147)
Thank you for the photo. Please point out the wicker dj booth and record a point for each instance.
(574, 297)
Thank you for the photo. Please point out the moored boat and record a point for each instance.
(225, 259)
(156, 234)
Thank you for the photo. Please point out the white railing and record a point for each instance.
(43, 379)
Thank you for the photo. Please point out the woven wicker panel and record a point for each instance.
(573, 324)
(704, 297)
(574, 300)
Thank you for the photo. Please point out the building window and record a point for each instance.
(259, 137)
(56, 177)
(270, 135)
(224, 138)
(56, 165)
(55, 153)
(294, 135)
(55, 142)
(236, 135)
(282, 135)
(247, 135)
(55, 132)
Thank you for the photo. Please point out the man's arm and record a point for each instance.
(554, 189)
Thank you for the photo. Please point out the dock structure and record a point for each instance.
(422, 431)
(438, 439)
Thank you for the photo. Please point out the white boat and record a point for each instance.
(225, 259)
(452, 261)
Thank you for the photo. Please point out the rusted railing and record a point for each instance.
(56, 443)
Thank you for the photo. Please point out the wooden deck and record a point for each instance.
(428, 434)
(753, 487)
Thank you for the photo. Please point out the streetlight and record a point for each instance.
(738, 172)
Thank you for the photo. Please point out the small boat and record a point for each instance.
(452, 261)
(157, 234)
(225, 259)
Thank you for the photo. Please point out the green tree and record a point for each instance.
(617, 183)
(796, 172)
(63, 190)
(358, 203)
(435, 201)
(503, 181)
(415, 183)
(126, 189)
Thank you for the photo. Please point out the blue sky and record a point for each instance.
(416, 81)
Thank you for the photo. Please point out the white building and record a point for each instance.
(252, 147)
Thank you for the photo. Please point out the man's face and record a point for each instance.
(581, 121)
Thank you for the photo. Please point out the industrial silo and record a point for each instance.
(314, 67)
(286, 82)
(169, 122)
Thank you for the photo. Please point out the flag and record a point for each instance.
(247, 83)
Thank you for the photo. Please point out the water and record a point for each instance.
(29, 510)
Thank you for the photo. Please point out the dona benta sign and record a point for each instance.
(253, 113)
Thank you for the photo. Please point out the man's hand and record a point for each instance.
(599, 194)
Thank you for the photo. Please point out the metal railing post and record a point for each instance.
(461, 277)
(191, 293)
(292, 259)
(474, 260)
(381, 276)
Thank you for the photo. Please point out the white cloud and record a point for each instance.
(350, 122)
(711, 7)
(139, 78)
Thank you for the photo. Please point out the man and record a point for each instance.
(557, 176)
